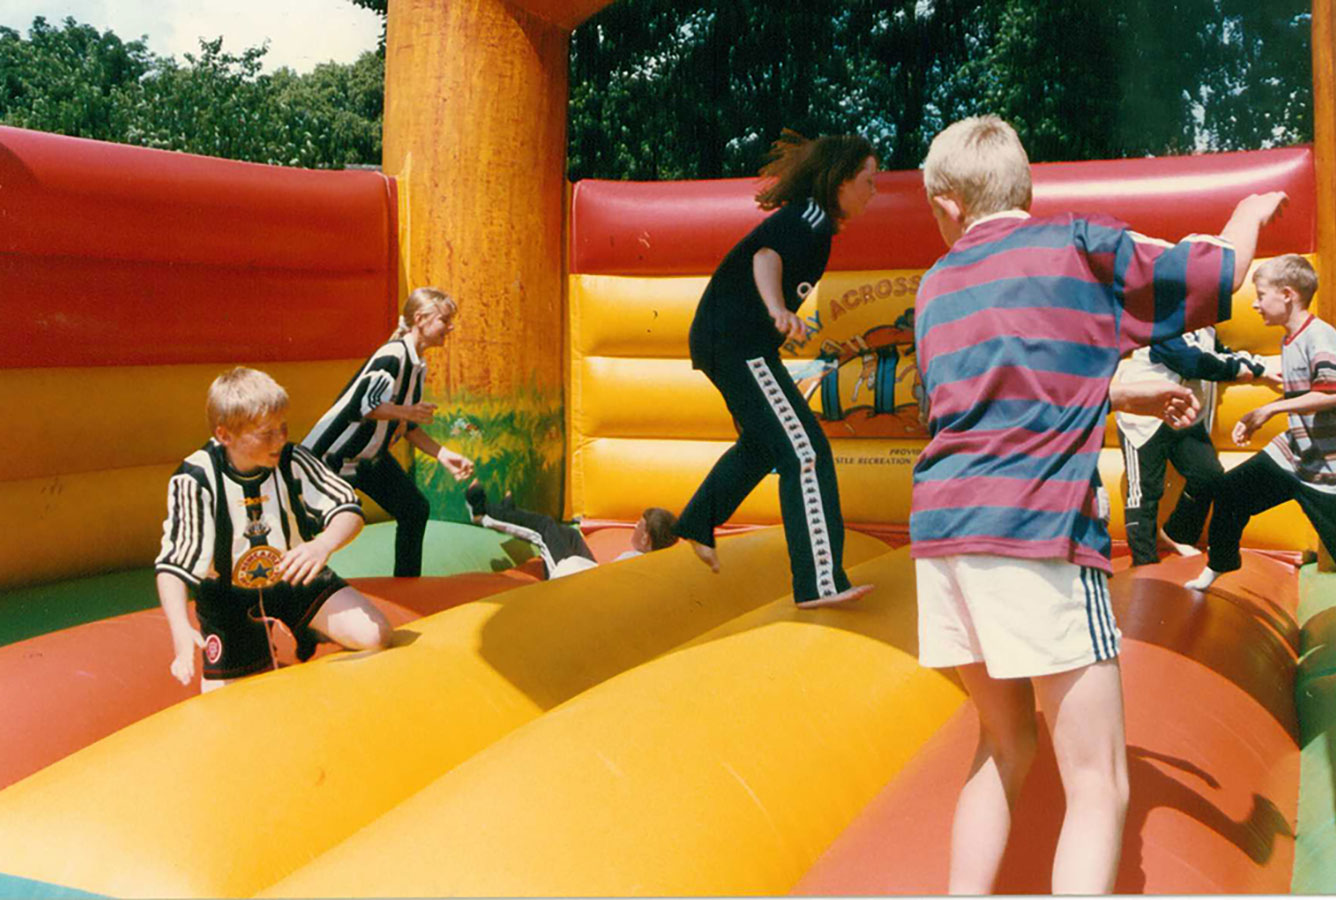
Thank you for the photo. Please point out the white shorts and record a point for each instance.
(1020, 617)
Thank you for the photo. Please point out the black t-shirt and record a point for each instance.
(731, 320)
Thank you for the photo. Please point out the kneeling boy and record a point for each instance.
(251, 521)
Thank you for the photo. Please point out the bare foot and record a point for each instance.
(1180, 549)
(845, 596)
(705, 554)
(1202, 581)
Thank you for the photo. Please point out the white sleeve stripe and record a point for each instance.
(184, 530)
(344, 507)
(183, 574)
(318, 475)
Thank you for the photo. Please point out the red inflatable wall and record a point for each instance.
(685, 228)
(114, 255)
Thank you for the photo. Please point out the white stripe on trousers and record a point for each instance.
(823, 558)
(1132, 465)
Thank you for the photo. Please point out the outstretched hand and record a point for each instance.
(1165, 400)
(459, 466)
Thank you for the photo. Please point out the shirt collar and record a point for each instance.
(413, 357)
(1004, 214)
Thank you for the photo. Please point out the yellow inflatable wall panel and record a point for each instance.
(633, 474)
(613, 315)
(112, 417)
(88, 476)
(646, 398)
(650, 786)
(230, 791)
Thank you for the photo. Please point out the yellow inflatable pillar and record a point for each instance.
(475, 134)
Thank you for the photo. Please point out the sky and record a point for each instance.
(301, 33)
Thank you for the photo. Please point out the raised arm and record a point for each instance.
(1252, 212)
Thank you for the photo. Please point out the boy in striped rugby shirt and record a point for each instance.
(1300, 463)
(251, 521)
(1018, 330)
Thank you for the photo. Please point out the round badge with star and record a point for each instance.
(255, 569)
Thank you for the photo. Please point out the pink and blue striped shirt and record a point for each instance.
(1018, 330)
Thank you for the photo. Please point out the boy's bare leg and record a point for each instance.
(212, 684)
(853, 592)
(1084, 709)
(1001, 762)
(349, 619)
(707, 555)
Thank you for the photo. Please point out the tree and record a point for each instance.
(673, 88)
(72, 80)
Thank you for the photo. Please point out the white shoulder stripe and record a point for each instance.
(1209, 239)
(1143, 239)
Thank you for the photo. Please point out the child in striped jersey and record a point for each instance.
(381, 404)
(251, 522)
(1197, 360)
(1018, 330)
(1300, 462)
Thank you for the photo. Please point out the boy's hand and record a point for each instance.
(788, 324)
(460, 467)
(1264, 207)
(1165, 400)
(421, 413)
(183, 664)
(303, 562)
(1249, 423)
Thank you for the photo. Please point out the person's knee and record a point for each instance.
(1013, 745)
(360, 627)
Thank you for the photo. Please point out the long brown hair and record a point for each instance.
(798, 168)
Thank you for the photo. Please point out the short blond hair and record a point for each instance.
(240, 396)
(422, 299)
(980, 160)
(1292, 271)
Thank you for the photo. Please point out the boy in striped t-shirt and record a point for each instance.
(1299, 463)
(1018, 330)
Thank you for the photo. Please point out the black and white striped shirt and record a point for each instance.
(344, 435)
(280, 507)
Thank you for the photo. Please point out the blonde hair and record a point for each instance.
(1292, 271)
(980, 160)
(240, 396)
(421, 300)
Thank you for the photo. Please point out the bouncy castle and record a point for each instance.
(646, 727)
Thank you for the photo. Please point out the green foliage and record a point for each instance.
(683, 88)
(72, 80)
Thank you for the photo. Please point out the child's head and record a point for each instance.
(431, 311)
(654, 531)
(836, 171)
(248, 414)
(1285, 284)
(975, 167)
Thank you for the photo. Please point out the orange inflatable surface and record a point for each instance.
(1213, 758)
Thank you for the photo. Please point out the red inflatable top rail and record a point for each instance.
(686, 227)
(117, 255)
